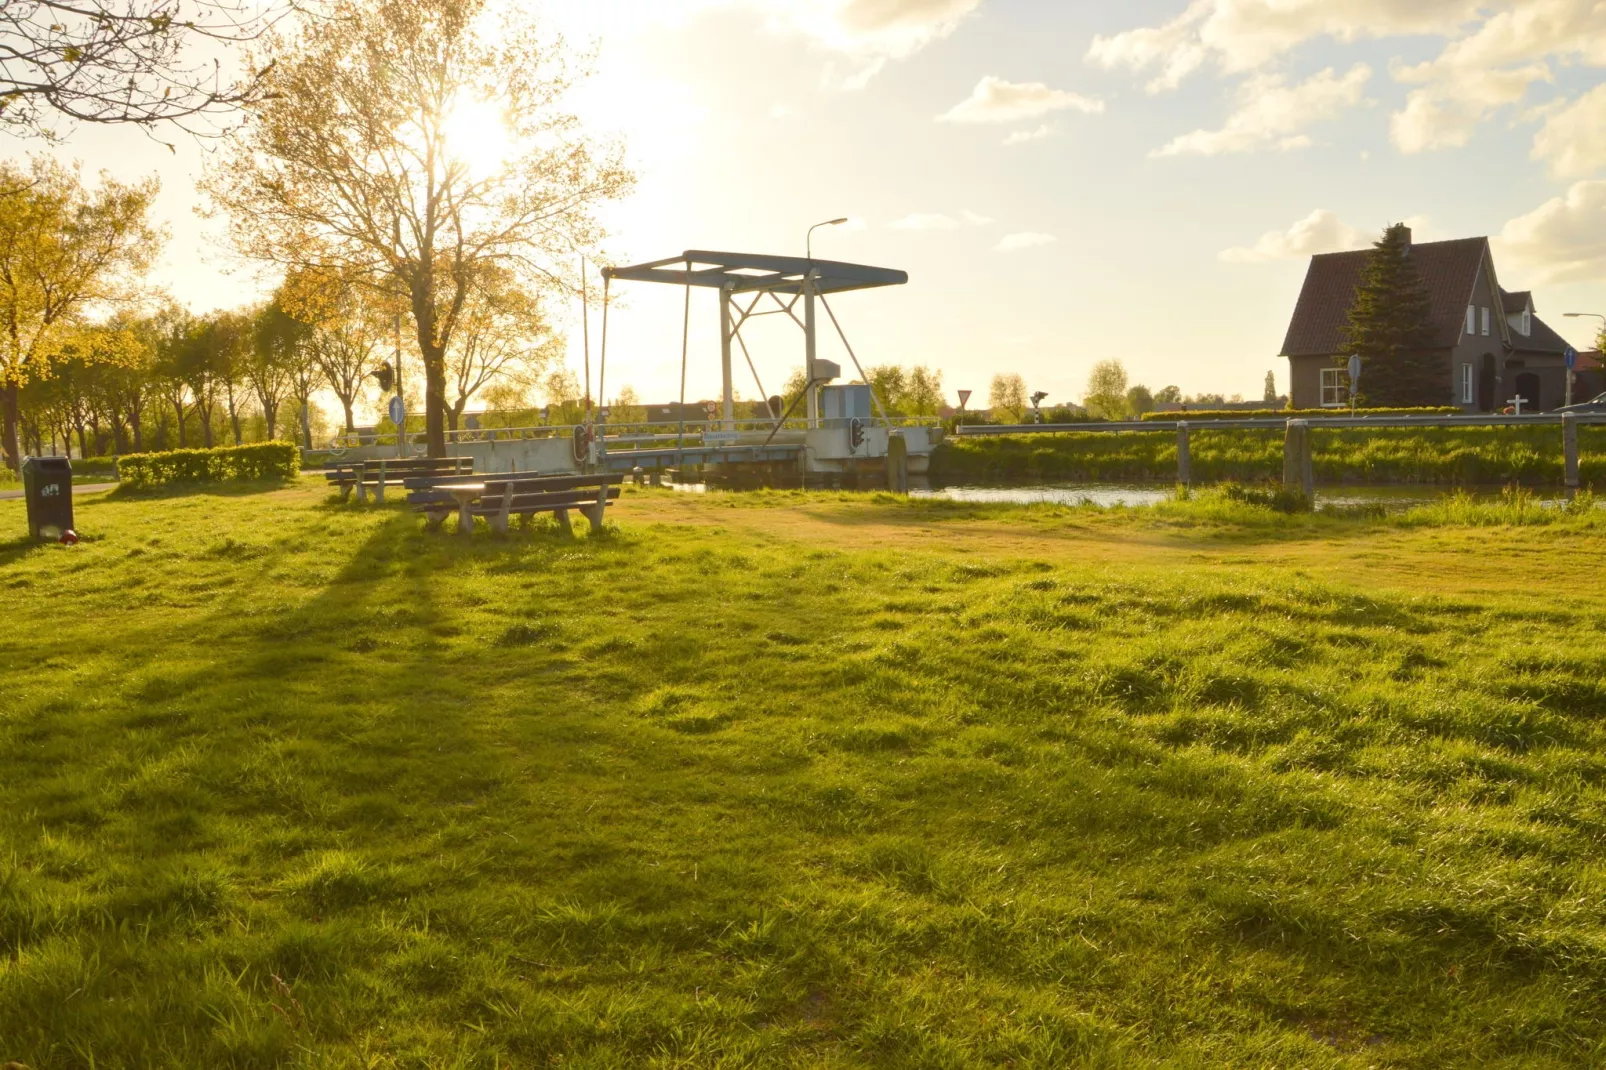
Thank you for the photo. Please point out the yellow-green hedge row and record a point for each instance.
(263, 461)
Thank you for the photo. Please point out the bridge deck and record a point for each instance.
(625, 460)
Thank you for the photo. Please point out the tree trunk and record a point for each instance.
(306, 423)
(134, 414)
(435, 399)
(206, 423)
(83, 441)
(10, 396)
(178, 408)
(454, 413)
(351, 424)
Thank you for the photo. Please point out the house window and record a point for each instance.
(1472, 319)
(1486, 322)
(1466, 384)
(1527, 323)
(1334, 395)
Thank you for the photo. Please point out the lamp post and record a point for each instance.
(808, 241)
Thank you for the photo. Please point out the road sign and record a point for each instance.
(964, 398)
(398, 411)
(1354, 368)
(1571, 357)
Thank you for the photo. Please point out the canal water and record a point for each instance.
(1108, 495)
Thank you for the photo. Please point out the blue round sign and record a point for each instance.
(1571, 357)
(398, 410)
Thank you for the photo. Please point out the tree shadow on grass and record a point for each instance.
(240, 489)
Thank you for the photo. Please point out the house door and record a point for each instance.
(1486, 383)
(1528, 387)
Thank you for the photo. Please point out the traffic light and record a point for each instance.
(855, 433)
(385, 375)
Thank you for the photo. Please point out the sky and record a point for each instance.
(1065, 181)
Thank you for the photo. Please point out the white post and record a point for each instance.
(809, 351)
(725, 355)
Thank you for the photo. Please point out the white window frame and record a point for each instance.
(1486, 321)
(1472, 319)
(1467, 383)
(1335, 389)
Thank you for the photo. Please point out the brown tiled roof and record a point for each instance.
(1515, 303)
(1448, 270)
(1541, 339)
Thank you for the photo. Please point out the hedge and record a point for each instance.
(1443, 455)
(1261, 414)
(264, 461)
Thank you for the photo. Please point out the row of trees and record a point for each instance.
(194, 380)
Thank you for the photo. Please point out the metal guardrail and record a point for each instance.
(1544, 419)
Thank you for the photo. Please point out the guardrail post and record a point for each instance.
(1298, 471)
(1569, 439)
(1184, 456)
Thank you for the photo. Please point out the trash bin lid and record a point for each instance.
(47, 464)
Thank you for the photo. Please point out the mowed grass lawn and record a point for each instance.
(779, 780)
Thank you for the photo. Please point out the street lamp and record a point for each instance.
(808, 242)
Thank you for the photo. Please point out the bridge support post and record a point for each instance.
(897, 464)
(1298, 471)
(1184, 456)
(1569, 439)
(729, 415)
(809, 351)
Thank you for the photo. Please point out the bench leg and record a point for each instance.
(434, 519)
(595, 512)
(562, 517)
(499, 523)
(465, 519)
(362, 492)
(345, 492)
(379, 493)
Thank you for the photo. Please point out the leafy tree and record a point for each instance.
(173, 326)
(1168, 395)
(350, 322)
(502, 335)
(132, 62)
(1139, 400)
(627, 407)
(1391, 330)
(1106, 391)
(276, 354)
(361, 157)
(1270, 393)
(1007, 394)
(63, 249)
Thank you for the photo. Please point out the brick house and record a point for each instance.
(1491, 343)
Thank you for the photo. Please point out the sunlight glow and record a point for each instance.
(478, 137)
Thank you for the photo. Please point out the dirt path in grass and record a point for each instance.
(1454, 561)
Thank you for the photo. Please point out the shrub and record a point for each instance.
(263, 461)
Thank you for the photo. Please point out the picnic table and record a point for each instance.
(499, 498)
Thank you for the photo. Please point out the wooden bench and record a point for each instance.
(499, 498)
(394, 472)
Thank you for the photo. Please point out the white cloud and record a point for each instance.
(1320, 232)
(925, 221)
(939, 221)
(996, 101)
(869, 31)
(1010, 243)
(1244, 35)
(1495, 51)
(1564, 239)
(1021, 137)
(1573, 140)
(1271, 114)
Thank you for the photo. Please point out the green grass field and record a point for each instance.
(814, 781)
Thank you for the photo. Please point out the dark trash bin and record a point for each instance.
(47, 485)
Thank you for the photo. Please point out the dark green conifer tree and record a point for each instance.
(1391, 328)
